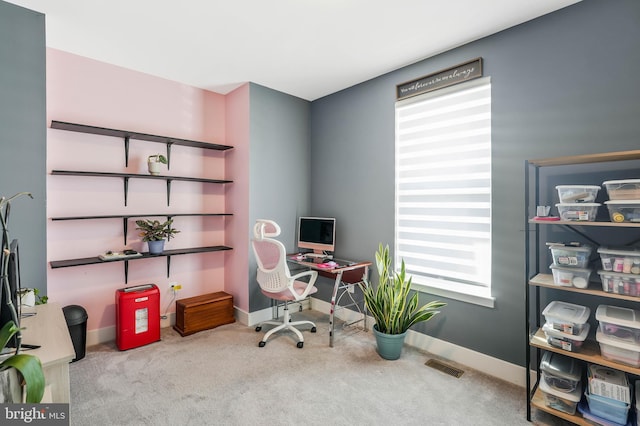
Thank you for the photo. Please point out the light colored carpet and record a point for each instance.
(222, 377)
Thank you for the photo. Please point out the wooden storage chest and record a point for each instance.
(203, 312)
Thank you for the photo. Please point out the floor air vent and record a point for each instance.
(447, 369)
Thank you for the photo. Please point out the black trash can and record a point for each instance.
(76, 317)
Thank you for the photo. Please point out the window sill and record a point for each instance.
(464, 293)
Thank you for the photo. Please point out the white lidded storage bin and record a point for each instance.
(566, 317)
(577, 193)
(625, 189)
(618, 351)
(582, 212)
(570, 277)
(623, 210)
(561, 401)
(619, 323)
(561, 372)
(620, 260)
(572, 256)
(565, 341)
(619, 283)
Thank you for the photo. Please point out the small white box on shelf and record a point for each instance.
(618, 351)
(581, 212)
(569, 255)
(610, 383)
(577, 193)
(619, 323)
(565, 341)
(626, 189)
(566, 317)
(624, 210)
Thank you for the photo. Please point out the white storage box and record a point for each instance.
(565, 341)
(560, 372)
(618, 351)
(561, 401)
(609, 383)
(566, 317)
(620, 260)
(626, 189)
(608, 409)
(619, 323)
(584, 212)
(624, 210)
(619, 283)
(570, 255)
(577, 193)
(570, 277)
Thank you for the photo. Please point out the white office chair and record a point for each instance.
(276, 281)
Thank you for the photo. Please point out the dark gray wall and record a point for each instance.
(279, 168)
(562, 84)
(23, 135)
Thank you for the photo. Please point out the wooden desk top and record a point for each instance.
(48, 328)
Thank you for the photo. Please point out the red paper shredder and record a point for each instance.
(137, 316)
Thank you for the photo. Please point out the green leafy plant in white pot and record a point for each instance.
(154, 233)
(392, 307)
(154, 162)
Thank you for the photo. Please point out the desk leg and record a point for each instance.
(332, 309)
(365, 275)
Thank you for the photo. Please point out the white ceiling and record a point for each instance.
(306, 48)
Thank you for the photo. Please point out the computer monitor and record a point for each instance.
(317, 234)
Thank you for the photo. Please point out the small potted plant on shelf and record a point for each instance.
(154, 162)
(393, 310)
(154, 233)
(18, 369)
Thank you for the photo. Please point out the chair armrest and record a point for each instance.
(313, 275)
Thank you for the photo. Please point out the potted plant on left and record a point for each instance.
(154, 233)
(391, 306)
(17, 369)
(154, 162)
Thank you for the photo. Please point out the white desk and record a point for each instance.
(340, 286)
(48, 328)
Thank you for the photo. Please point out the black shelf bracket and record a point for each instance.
(168, 192)
(169, 143)
(126, 151)
(168, 266)
(126, 189)
(126, 271)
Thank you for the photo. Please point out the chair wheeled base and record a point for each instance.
(285, 324)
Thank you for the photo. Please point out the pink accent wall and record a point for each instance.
(85, 91)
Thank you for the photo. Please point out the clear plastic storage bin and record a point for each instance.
(624, 210)
(566, 317)
(570, 256)
(619, 323)
(583, 212)
(626, 189)
(619, 283)
(615, 260)
(570, 277)
(561, 401)
(560, 372)
(577, 193)
(565, 341)
(608, 409)
(618, 351)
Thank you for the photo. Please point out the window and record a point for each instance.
(443, 191)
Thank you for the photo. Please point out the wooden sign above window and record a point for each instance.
(449, 77)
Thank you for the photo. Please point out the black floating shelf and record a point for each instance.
(127, 176)
(167, 253)
(127, 135)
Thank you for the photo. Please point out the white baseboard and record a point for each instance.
(478, 361)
